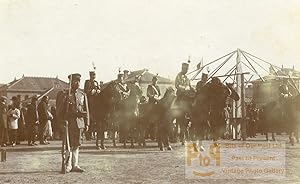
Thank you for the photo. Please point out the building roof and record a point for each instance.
(36, 84)
(284, 73)
(147, 77)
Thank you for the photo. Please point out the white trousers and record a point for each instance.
(74, 155)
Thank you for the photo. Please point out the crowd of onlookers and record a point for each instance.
(33, 122)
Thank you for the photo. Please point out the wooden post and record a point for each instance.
(243, 110)
(3, 155)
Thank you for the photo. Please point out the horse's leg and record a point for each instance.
(159, 139)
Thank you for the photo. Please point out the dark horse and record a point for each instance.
(282, 117)
(105, 105)
(130, 114)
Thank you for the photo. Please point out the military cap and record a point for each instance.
(185, 65)
(155, 78)
(92, 73)
(74, 76)
(34, 98)
(204, 76)
(120, 75)
(14, 98)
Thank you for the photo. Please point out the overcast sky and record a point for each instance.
(57, 37)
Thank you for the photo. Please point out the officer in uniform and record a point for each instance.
(182, 82)
(284, 92)
(121, 88)
(153, 93)
(72, 107)
(91, 89)
(284, 95)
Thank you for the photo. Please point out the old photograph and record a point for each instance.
(149, 91)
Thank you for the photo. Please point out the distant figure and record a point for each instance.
(13, 115)
(54, 124)
(3, 121)
(43, 119)
(32, 121)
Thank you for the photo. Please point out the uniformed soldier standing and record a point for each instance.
(91, 89)
(72, 107)
(153, 93)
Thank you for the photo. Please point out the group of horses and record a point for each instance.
(196, 113)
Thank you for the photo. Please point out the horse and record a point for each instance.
(209, 109)
(165, 116)
(105, 105)
(282, 117)
(293, 113)
(130, 114)
(181, 109)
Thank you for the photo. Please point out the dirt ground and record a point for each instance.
(41, 164)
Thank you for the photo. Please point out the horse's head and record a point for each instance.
(232, 92)
(169, 92)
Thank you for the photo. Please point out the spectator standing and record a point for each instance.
(43, 119)
(3, 121)
(14, 115)
(32, 121)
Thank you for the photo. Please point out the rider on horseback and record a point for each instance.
(284, 96)
(121, 88)
(153, 93)
(185, 94)
(91, 89)
(182, 82)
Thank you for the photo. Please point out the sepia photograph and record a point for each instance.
(149, 91)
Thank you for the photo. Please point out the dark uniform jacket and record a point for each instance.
(122, 91)
(43, 112)
(77, 111)
(3, 116)
(182, 84)
(153, 92)
(31, 114)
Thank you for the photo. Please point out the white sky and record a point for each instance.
(57, 37)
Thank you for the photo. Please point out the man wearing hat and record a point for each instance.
(13, 115)
(32, 120)
(92, 89)
(182, 82)
(153, 93)
(122, 88)
(72, 107)
(3, 121)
